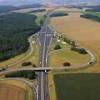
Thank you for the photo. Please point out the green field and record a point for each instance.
(77, 86)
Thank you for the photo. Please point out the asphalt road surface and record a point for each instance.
(45, 38)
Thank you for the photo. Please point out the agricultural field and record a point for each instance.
(14, 90)
(77, 86)
(85, 32)
(14, 93)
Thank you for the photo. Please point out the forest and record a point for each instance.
(15, 28)
(91, 16)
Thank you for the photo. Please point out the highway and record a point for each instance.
(45, 37)
(44, 41)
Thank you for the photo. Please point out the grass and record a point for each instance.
(34, 58)
(77, 86)
(58, 58)
(51, 87)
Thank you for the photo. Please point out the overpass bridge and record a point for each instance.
(44, 69)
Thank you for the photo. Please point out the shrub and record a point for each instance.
(26, 63)
(57, 47)
(24, 74)
(82, 51)
(79, 50)
(34, 65)
(67, 64)
(67, 40)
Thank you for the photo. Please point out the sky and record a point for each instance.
(22, 2)
(18, 2)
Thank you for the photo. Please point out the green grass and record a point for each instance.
(77, 86)
(59, 57)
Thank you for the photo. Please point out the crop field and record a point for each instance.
(9, 92)
(85, 32)
(15, 89)
(77, 86)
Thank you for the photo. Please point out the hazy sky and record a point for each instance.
(19, 2)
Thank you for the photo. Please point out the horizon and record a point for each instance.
(52, 2)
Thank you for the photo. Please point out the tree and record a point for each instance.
(66, 64)
(34, 65)
(57, 47)
(26, 63)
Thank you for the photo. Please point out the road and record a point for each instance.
(44, 41)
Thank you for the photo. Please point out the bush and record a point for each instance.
(79, 50)
(66, 64)
(67, 40)
(57, 14)
(26, 63)
(82, 51)
(57, 47)
(34, 65)
(24, 74)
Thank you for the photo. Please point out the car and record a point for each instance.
(45, 71)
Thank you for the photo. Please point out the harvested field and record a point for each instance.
(84, 31)
(9, 92)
